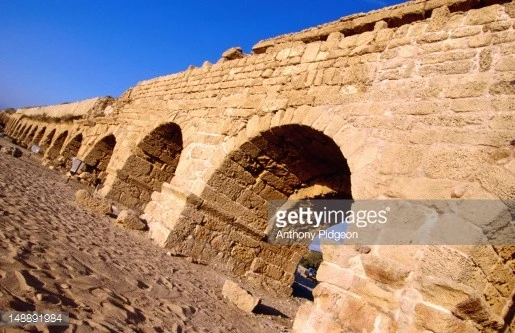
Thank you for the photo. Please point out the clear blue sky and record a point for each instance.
(63, 51)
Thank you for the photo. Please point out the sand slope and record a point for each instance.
(55, 256)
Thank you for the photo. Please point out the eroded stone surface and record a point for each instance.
(415, 102)
(87, 201)
(239, 296)
(130, 220)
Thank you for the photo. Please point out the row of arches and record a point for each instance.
(226, 222)
(59, 148)
(153, 160)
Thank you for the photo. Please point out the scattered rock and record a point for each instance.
(239, 296)
(233, 53)
(458, 191)
(195, 261)
(130, 220)
(14, 151)
(362, 249)
(17, 153)
(116, 210)
(94, 204)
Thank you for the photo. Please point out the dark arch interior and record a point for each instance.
(24, 135)
(53, 153)
(16, 129)
(39, 136)
(19, 131)
(47, 141)
(98, 158)
(231, 215)
(71, 150)
(152, 163)
(31, 136)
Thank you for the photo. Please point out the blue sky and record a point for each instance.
(64, 51)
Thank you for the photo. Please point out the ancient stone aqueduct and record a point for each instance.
(412, 101)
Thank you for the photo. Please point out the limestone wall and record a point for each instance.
(75, 109)
(413, 101)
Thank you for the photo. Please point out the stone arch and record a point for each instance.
(20, 130)
(24, 135)
(153, 162)
(53, 152)
(19, 126)
(226, 223)
(39, 136)
(47, 141)
(30, 136)
(15, 128)
(71, 149)
(99, 156)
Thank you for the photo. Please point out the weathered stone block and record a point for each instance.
(311, 52)
(86, 200)
(483, 15)
(385, 271)
(130, 220)
(444, 292)
(470, 104)
(447, 68)
(433, 37)
(233, 53)
(239, 296)
(506, 64)
(398, 159)
(453, 164)
(437, 320)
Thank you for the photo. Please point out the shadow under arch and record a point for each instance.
(39, 136)
(14, 131)
(99, 156)
(19, 131)
(70, 150)
(24, 135)
(153, 162)
(47, 141)
(53, 153)
(30, 137)
(226, 224)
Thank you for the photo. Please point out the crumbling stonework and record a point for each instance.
(413, 101)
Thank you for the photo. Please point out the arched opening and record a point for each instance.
(19, 131)
(228, 222)
(16, 129)
(31, 136)
(14, 125)
(152, 163)
(52, 154)
(47, 141)
(39, 136)
(98, 158)
(71, 150)
(24, 135)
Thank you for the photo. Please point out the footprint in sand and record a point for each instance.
(27, 281)
(183, 312)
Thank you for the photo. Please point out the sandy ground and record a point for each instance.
(56, 256)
